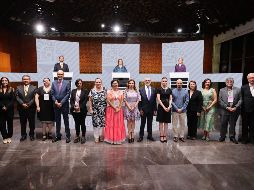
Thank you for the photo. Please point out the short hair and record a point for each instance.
(229, 79)
(250, 75)
(46, 78)
(115, 80)
(60, 56)
(203, 83)
(98, 79)
(193, 81)
(164, 78)
(77, 81)
(25, 76)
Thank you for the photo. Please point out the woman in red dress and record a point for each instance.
(114, 127)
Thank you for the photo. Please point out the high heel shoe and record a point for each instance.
(129, 140)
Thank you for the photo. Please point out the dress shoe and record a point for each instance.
(44, 137)
(233, 140)
(182, 139)
(140, 139)
(188, 137)
(221, 139)
(68, 140)
(129, 140)
(150, 138)
(22, 138)
(175, 139)
(9, 140)
(50, 136)
(76, 140)
(31, 138)
(132, 140)
(5, 141)
(83, 140)
(56, 139)
(193, 138)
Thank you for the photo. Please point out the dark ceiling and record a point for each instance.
(156, 16)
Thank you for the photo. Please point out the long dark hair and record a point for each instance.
(134, 84)
(203, 83)
(8, 86)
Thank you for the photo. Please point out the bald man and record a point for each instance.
(247, 92)
(179, 107)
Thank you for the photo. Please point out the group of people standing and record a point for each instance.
(110, 107)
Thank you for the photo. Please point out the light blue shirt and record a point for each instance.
(180, 99)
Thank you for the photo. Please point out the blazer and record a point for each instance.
(148, 106)
(82, 102)
(180, 69)
(223, 100)
(7, 99)
(29, 99)
(57, 67)
(195, 102)
(63, 95)
(247, 99)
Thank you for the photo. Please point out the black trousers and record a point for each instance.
(231, 120)
(65, 111)
(24, 116)
(79, 119)
(6, 117)
(149, 118)
(248, 127)
(192, 123)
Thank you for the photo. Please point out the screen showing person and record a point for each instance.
(120, 68)
(180, 66)
(61, 65)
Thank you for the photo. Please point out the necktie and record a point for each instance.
(149, 92)
(26, 90)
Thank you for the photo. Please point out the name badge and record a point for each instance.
(230, 99)
(46, 96)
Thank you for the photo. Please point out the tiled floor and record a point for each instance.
(147, 165)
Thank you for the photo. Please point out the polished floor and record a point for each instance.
(139, 166)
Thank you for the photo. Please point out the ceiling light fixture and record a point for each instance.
(116, 28)
(102, 25)
(39, 28)
(53, 28)
(179, 30)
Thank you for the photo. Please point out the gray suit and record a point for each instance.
(226, 115)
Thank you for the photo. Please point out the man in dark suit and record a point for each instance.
(26, 106)
(147, 108)
(60, 92)
(230, 102)
(61, 65)
(247, 92)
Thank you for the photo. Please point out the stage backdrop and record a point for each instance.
(129, 53)
(48, 52)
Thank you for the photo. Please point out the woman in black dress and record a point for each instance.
(164, 98)
(7, 98)
(79, 98)
(44, 106)
(194, 109)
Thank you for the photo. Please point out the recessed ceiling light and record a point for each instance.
(102, 25)
(116, 28)
(39, 28)
(53, 28)
(179, 30)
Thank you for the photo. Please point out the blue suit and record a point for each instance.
(62, 97)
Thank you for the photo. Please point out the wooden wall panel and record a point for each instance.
(5, 63)
(150, 57)
(90, 56)
(208, 54)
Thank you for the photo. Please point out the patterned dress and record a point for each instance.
(99, 105)
(131, 97)
(206, 120)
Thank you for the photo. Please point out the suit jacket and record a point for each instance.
(195, 102)
(181, 68)
(247, 99)
(57, 67)
(29, 99)
(82, 102)
(223, 100)
(7, 99)
(148, 106)
(63, 95)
